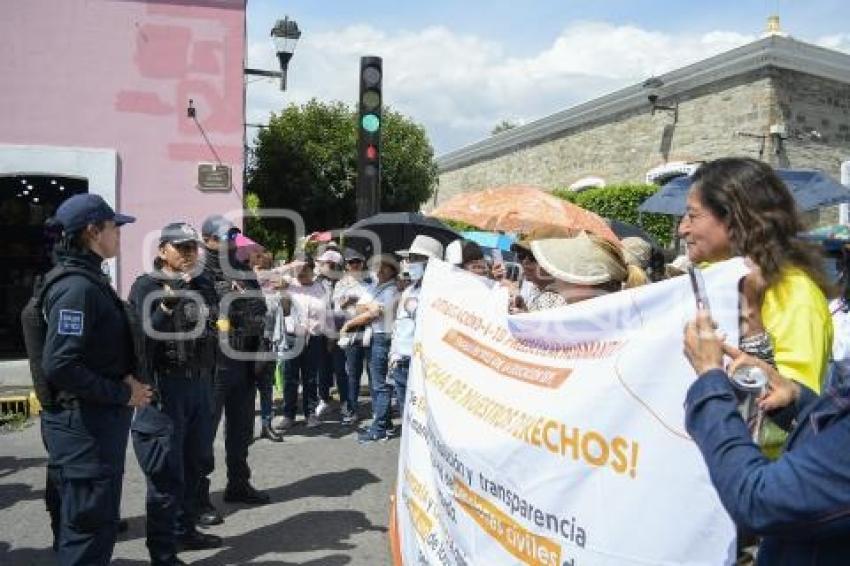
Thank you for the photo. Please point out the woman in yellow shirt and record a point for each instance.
(739, 207)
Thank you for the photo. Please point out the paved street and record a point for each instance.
(329, 503)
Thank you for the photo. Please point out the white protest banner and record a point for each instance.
(556, 438)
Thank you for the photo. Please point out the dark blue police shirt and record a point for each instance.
(88, 348)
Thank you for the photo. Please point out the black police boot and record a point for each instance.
(123, 526)
(269, 433)
(195, 540)
(245, 493)
(173, 561)
(208, 515)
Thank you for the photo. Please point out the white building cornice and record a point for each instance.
(770, 52)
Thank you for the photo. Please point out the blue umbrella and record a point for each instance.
(832, 238)
(491, 239)
(811, 189)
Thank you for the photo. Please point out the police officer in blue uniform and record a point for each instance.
(242, 311)
(88, 363)
(176, 308)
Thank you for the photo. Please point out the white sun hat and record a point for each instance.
(423, 245)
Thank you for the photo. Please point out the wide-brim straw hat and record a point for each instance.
(579, 260)
(636, 251)
(541, 233)
(377, 260)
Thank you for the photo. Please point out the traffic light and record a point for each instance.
(369, 125)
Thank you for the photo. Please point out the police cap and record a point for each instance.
(217, 226)
(178, 233)
(81, 210)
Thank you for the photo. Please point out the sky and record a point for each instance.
(460, 67)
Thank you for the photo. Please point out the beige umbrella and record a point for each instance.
(522, 209)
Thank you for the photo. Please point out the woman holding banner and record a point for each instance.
(739, 207)
(800, 503)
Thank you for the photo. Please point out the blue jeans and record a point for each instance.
(302, 369)
(354, 358)
(265, 387)
(379, 352)
(399, 376)
(333, 364)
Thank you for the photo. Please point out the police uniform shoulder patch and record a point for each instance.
(70, 322)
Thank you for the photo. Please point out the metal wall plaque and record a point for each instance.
(214, 177)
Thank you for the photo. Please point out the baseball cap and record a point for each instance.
(178, 233)
(351, 254)
(81, 210)
(218, 226)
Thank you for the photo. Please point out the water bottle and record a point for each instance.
(750, 382)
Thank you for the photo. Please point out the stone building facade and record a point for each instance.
(777, 99)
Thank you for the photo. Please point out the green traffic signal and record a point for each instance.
(370, 123)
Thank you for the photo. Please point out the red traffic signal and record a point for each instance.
(371, 152)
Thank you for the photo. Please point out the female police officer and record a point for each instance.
(88, 363)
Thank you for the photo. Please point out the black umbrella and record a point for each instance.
(811, 189)
(394, 231)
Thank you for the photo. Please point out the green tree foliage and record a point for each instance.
(620, 202)
(306, 161)
(459, 225)
(502, 126)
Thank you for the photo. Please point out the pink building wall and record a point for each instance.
(118, 75)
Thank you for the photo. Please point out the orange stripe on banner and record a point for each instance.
(394, 535)
(520, 542)
(535, 374)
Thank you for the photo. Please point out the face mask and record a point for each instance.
(414, 270)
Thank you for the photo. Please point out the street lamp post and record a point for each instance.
(285, 34)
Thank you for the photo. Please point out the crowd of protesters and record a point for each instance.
(325, 317)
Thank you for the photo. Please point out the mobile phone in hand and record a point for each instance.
(698, 287)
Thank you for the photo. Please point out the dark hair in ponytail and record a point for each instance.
(68, 242)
